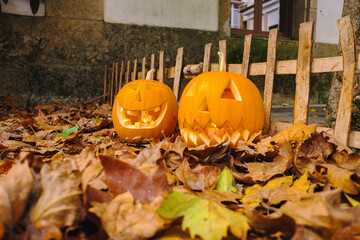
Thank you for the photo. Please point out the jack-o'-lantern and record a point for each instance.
(144, 109)
(218, 106)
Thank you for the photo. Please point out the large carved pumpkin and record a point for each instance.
(219, 105)
(144, 109)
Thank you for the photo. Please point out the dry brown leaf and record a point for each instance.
(319, 210)
(345, 160)
(302, 233)
(15, 189)
(198, 178)
(316, 146)
(2, 230)
(341, 178)
(353, 230)
(125, 218)
(121, 177)
(263, 171)
(220, 196)
(60, 202)
(271, 223)
(299, 132)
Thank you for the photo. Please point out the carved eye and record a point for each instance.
(231, 92)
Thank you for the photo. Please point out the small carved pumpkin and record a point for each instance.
(216, 106)
(144, 109)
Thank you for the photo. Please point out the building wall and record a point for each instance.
(190, 14)
(328, 12)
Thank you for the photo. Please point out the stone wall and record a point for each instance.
(61, 56)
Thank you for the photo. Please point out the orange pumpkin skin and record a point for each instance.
(216, 106)
(144, 109)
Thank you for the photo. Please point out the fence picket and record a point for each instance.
(348, 46)
(121, 75)
(246, 55)
(105, 82)
(143, 68)
(161, 74)
(222, 48)
(302, 90)
(178, 71)
(207, 58)
(269, 77)
(134, 75)
(128, 72)
(112, 79)
(153, 66)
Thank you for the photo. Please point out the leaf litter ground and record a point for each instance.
(64, 174)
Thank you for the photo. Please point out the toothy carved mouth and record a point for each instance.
(212, 134)
(149, 118)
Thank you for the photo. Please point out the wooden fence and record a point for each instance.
(303, 66)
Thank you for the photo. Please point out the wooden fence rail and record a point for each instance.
(302, 67)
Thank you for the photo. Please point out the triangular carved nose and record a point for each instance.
(204, 106)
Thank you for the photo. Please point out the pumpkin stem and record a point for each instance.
(149, 73)
(222, 62)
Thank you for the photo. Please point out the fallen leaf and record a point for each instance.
(319, 210)
(125, 218)
(352, 201)
(276, 191)
(299, 132)
(15, 187)
(199, 177)
(202, 217)
(316, 146)
(261, 171)
(2, 230)
(226, 181)
(121, 177)
(351, 231)
(345, 160)
(303, 232)
(271, 223)
(68, 131)
(341, 178)
(220, 197)
(60, 202)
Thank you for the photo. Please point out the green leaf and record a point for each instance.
(97, 121)
(226, 180)
(202, 217)
(66, 132)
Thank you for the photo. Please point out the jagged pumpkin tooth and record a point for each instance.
(193, 139)
(185, 134)
(235, 137)
(204, 138)
(225, 137)
(215, 139)
(245, 134)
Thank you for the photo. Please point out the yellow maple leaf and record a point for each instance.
(299, 132)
